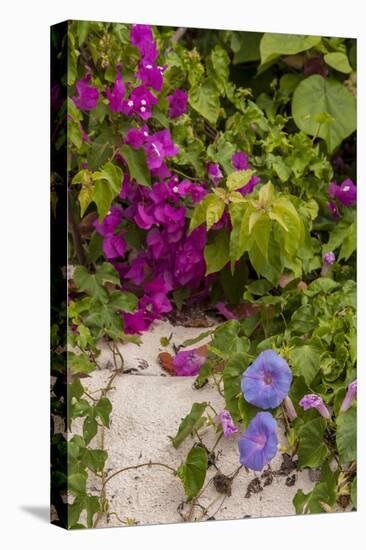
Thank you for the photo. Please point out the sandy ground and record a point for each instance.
(148, 406)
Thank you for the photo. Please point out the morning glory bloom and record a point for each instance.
(267, 381)
(188, 363)
(227, 423)
(258, 444)
(313, 401)
(177, 103)
(88, 95)
(346, 193)
(350, 396)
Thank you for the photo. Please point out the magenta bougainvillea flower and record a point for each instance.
(267, 381)
(114, 246)
(110, 223)
(350, 396)
(87, 98)
(258, 444)
(239, 161)
(346, 193)
(158, 146)
(177, 103)
(214, 173)
(227, 423)
(333, 210)
(188, 363)
(313, 401)
(140, 102)
(150, 75)
(115, 96)
(136, 137)
(142, 37)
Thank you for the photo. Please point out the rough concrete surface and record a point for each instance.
(147, 410)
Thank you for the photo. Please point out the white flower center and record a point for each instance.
(130, 103)
(143, 101)
(149, 66)
(175, 189)
(142, 109)
(146, 134)
(346, 188)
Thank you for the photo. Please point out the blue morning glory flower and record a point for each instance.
(267, 381)
(258, 444)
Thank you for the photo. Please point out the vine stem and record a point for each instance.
(135, 468)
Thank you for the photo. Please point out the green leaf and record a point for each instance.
(238, 179)
(303, 319)
(228, 340)
(95, 459)
(123, 301)
(214, 211)
(103, 197)
(347, 435)
(269, 267)
(112, 174)
(323, 492)
(190, 423)
(232, 376)
(316, 95)
(93, 283)
(82, 30)
(77, 483)
(90, 429)
(338, 61)
(193, 341)
(354, 492)
(137, 164)
(79, 363)
(221, 65)
(193, 471)
(216, 252)
(92, 506)
(312, 450)
(204, 98)
(103, 410)
(273, 45)
(261, 232)
(101, 149)
(305, 361)
(349, 244)
(245, 46)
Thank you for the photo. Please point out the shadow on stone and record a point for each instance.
(40, 512)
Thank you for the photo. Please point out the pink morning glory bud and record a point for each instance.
(350, 396)
(227, 423)
(328, 260)
(313, 401)
(289, 408)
